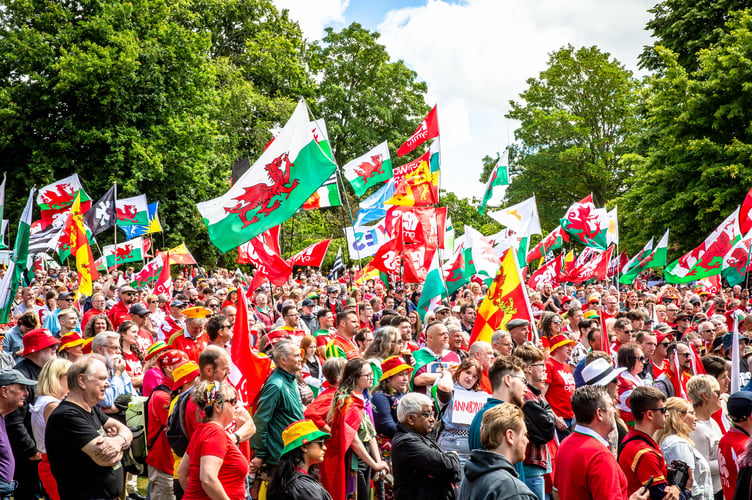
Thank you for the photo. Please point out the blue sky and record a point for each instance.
(476, 55)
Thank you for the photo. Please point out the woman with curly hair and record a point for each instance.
(466, 377)
(550, 324)
(676, 445)
(353, 452)
(212, 466)
(386, 343)
(97, 324)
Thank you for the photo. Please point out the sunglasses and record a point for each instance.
(663, 409)
(641, 359)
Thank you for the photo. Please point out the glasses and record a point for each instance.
(641, 359)
(152, 302)
(519, 377)
(367, 375)
(214, 306)
(232, 401)
(685, 354)
(129, 293)
(720, 310)
(557, 322)
(663, 344)
(426, 414)
(662, 409)
(704, 331)
(292, 315)
(226, 326)
(691, 412)
(537, 364)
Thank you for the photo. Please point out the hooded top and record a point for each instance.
(490, 476)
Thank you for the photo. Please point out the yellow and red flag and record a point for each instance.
(179, 255)
(79, 247)
(418, 188)
(506, 300)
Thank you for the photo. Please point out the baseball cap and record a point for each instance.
(139, 309)
(8, 377)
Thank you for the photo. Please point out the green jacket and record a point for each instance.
(279, 406)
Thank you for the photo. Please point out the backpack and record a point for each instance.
(176, 431)
(137, 419)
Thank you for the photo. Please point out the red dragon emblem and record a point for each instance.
(261, 195)
(738, 259)
(369, 169)
(60, 197)
(123, 253)
(127, 213)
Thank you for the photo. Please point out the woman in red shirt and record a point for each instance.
(134, 360)
(212, 466)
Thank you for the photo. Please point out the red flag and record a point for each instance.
(421, 225)
(428, 129)
(745, 217)
(387, 258)
(249, 371)
(164, 282)
(595, 268)
(312, 256)
(555, 239)
(617, 264)
(263, 252)
(547, 273)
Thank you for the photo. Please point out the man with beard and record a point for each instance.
(342, 343)
(121, 311)
(508, 383)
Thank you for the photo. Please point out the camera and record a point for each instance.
(678, 474)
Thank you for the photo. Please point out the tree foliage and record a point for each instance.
(693, 156)
(574, 118)
(685, 28)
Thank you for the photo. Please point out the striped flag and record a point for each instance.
(10, 281)
(339, 265)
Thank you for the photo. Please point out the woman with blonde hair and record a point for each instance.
(676, 445)
(51, 389)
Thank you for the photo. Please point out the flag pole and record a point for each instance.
(114, 226)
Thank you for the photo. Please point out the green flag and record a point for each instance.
(370, 169)
(499, 177)
(9, 284)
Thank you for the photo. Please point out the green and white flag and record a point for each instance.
(130, 251)
(132, 211)
(370, 169)
(3, 246)
(9, 283)
(632, 269)
(434, 288)
(288, 172)
(736, 261)
(658, 257)
(499, 177)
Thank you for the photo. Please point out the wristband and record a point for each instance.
(237, 436)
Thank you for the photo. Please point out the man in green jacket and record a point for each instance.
(279, 406)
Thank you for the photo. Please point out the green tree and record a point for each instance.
(686, 28)
(159, 97)
(692, 156)
(574, 119)
(364, 98)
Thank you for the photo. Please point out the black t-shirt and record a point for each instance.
(69, 429)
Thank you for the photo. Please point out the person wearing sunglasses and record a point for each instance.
(671, 383)
(304, 446)
(630, 360)
(705, 395)
(213, 466)
(640, 458)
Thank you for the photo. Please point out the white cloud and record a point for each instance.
(314, 15)
(476, 55)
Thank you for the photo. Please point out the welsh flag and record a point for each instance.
(370, 169)
(311, 256)
(499, 177)
(18, 261)
(455, 270)
(553, 241)
(277, 184)
(707, 259)
(434, 288)
(133, 211)
(56, 198)
(428, 129)
(587, 224)
(434, 156)
(506, 300)
(152, 225)
(657, 257)
(482, 257)
(130, 251)
(630, 271)
(617, 264)
(148, 274)
(736, 261)
(596, 267)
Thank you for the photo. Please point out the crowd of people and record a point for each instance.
(608, 393)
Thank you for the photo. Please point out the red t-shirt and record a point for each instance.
(118, 314)
(133, 365)
(160, 454)
(192, 347)
(730, 448)
(211, 439)
(560, 380)
(641, 459)
(585, 468)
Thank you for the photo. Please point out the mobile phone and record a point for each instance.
(648, 484)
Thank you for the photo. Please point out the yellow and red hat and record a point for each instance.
(156, 349)
(299, 433)
(392, 366)
(560, 341)
(72, 339)
(184, 373)
(197, 312)
(86, 347)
